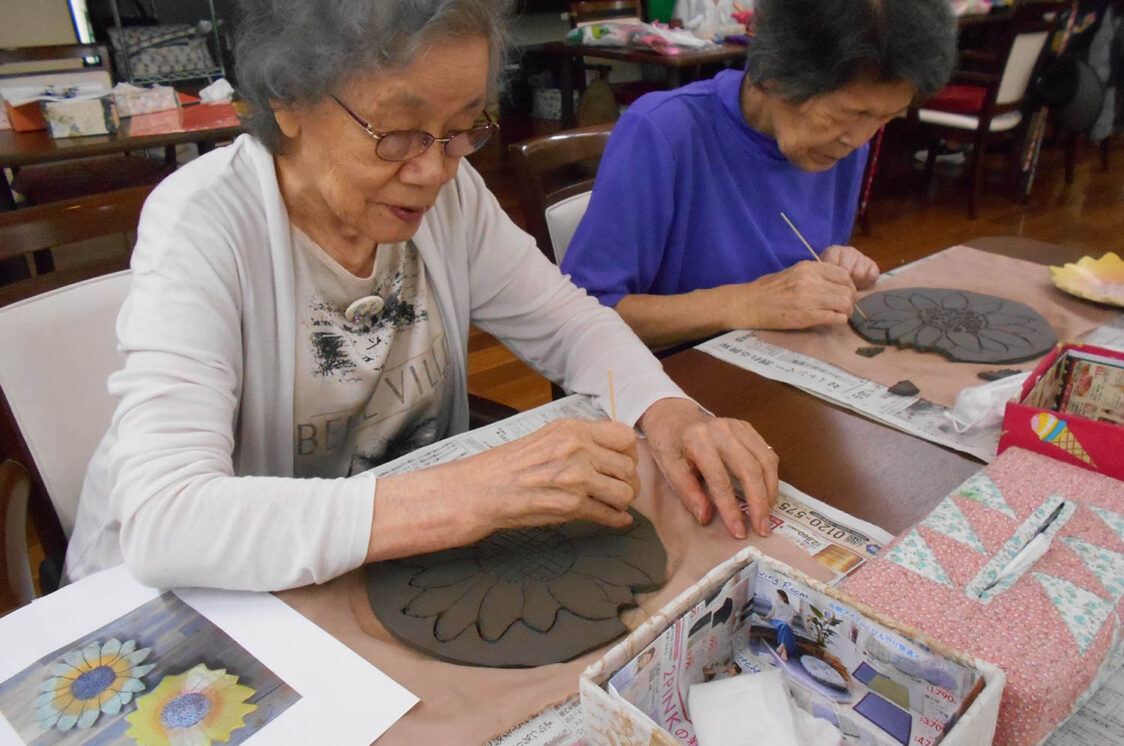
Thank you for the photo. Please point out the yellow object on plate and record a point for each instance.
(1101, 279)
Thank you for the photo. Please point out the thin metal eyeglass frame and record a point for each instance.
(490, 124)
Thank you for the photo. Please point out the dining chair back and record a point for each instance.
(16, 586)
(986, 103)
(56, 352)
(556, 174)
(29, 236)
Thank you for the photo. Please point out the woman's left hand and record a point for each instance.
(864, 271)
(698, 454)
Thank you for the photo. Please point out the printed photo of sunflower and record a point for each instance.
(161, 674)
(90, 681)
(195, 708)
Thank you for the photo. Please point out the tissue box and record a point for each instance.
(1090, 434)
(80, 117)
(131, 100)
(1051, 626)
(877, 681)
(26, 117)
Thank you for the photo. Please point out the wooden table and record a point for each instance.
(27, 148)
(688, 61)
(867, 469)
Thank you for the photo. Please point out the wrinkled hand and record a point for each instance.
(568, 470)
(806, 294)
(864, 272)
(698, 454)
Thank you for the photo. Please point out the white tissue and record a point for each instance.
(982, 406)
(220, 90)
(751, 710)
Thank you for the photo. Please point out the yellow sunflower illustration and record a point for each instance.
(90, 681)
(194, 708)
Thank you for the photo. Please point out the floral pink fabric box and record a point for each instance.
(1053, 623)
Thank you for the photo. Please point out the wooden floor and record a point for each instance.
(1088, 214)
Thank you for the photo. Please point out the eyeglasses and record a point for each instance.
(402, 145)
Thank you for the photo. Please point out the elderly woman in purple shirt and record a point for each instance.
(684, 235)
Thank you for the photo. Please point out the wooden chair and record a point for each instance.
(27, 237)
(556, 179)
(16, 586)
(986, 103)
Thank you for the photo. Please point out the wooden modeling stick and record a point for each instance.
(815, 255)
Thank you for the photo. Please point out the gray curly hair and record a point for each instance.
(812, 47)
(298, 51)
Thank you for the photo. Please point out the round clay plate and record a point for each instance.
(519, 598)
(822, 672)
(963, 326)
(1101, 279)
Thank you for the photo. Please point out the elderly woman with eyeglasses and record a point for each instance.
(299, 312)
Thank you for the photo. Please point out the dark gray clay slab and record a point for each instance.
(963, 326)
(519, 598)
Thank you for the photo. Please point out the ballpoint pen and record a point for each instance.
(1034, 548)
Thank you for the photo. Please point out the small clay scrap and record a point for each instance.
(870, 351)
(963, 326)
(519, 598)
(905, 388)
(995, 375)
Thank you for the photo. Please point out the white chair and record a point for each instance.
(56, 352)
(985, 105)
(562, 220)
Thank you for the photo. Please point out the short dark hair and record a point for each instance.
(811, 47)
(298, 51)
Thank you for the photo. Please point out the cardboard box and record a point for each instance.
(25, 118)
(637, 692)
(1034, 421)
(81, 117)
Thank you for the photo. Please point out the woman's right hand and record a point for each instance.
(567, 470)
(806, 294)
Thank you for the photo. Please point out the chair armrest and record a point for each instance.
(17, 588)
(483, 411)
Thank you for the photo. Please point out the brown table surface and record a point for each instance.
(27, 148)
(862, 467)
(876, 472)
(686, 58)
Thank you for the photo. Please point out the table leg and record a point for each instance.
(566, 83)
(7, 199)
(205, 147)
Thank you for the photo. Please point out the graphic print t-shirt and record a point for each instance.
(370, 391)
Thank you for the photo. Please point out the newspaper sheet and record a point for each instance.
(833, 538)
(877, 686)
(912, 415)
(1100, 722)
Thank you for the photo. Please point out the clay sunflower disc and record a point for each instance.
(519, 598)
(963, 326)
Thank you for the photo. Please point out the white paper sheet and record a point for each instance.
(344, 699)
